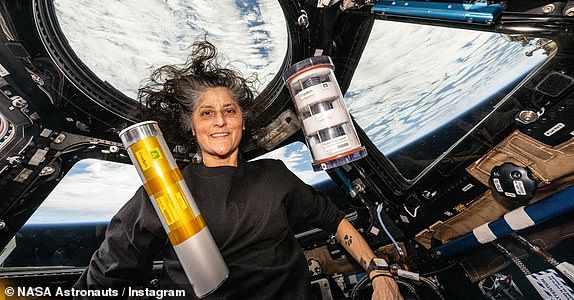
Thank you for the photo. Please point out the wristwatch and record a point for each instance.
(377, 264)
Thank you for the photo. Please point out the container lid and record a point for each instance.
(135, 125)
(306, 63)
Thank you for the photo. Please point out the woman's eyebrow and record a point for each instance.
(205, 106)
(224, 105)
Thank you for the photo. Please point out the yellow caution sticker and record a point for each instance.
(147, 151)
(173, 207)
(460, 207)
(188, 229)
(162, 181)
(178, 216)
(144, 160)
(150, 157)
(159, 183)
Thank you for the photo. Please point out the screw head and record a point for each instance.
(548, 8)
(47, 170)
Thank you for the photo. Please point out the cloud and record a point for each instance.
(297, 158)
(121, 41)
(412, 79)
(93, 190)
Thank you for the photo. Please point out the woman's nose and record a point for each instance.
(220, 119)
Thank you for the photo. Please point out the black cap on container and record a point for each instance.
(305, 63)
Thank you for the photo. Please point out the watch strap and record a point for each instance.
(377, 264)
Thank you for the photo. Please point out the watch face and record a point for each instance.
(379, 262)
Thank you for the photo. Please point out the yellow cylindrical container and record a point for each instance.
(174, 204)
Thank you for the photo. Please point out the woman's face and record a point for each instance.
(217, 126)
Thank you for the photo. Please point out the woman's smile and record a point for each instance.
(217, 126)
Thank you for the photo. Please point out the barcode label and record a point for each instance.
(519, 187)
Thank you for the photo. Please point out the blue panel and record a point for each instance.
(459, 12)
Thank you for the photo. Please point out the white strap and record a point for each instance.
(518, 219)
(483, 234)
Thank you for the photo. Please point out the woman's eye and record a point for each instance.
(230, 111)
(206, 113)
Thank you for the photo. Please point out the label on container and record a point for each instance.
(179, 217)
(172, 207)
(554, 129)
(337, 145)
(468, 187)
(306, 93)
(567, 269)
(550, 286)
(497, 185)
(519, 187)
(328, 114)
(146, 157)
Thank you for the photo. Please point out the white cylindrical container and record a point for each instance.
(327, 125)
(174, 204)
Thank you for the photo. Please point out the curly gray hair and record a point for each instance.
(173, 90)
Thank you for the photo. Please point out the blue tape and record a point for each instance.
(550, 207)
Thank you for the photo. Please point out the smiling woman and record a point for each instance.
(217, 126)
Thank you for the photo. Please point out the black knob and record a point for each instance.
(512, 185)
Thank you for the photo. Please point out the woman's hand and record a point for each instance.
(385, 287)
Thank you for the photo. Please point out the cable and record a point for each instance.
(541, 252)
(357, 286)
(414, 215)
(379, 210)
(433, 286)
(417, 277)
(409, 287)
(431, 273)
(401, 282)
(399, 274)
(565, 268)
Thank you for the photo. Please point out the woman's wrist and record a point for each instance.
(380, 274)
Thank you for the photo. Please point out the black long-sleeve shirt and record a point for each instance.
(247, 209)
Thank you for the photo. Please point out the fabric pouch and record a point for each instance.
(553, 167)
